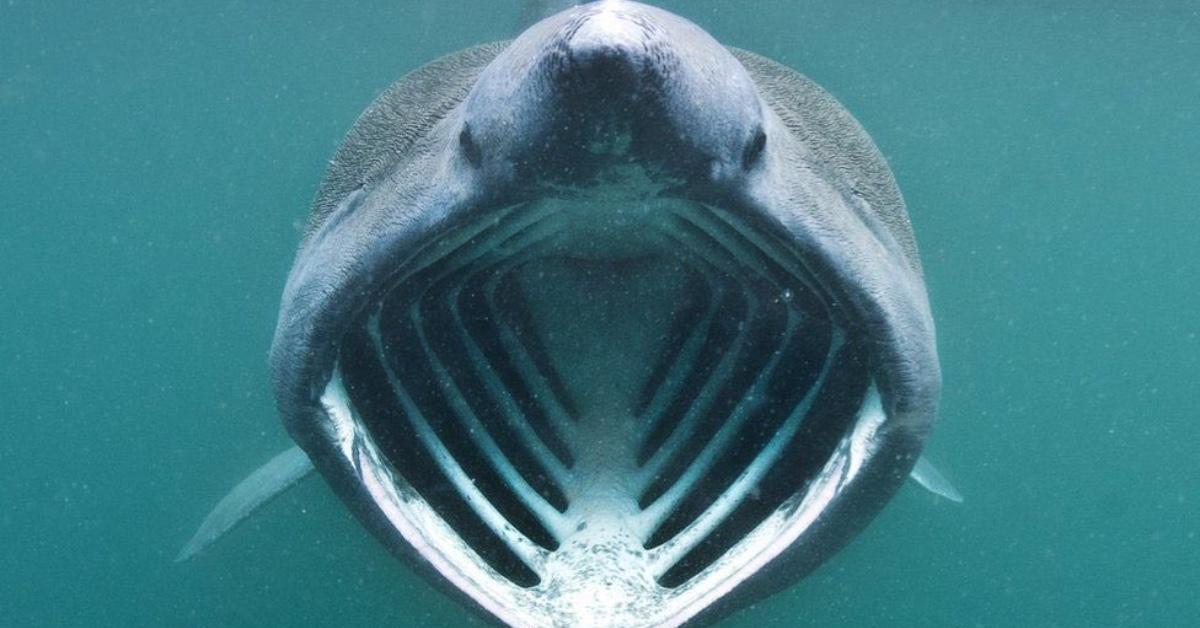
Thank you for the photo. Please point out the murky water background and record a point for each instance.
(157, 159)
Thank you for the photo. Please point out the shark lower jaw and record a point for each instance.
(610, 416)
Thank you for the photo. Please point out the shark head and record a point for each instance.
(609, 325)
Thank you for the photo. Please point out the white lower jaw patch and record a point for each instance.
(600, 575)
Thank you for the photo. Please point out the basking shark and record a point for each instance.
(607, 325)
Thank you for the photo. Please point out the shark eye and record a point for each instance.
(754, 149)
(470, 149)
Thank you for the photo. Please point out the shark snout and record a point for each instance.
(611, 83)
(614, 38)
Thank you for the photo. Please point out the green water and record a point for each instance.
(157, 158)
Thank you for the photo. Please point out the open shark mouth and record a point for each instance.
(610, 421)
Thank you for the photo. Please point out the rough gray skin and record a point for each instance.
(471, 132)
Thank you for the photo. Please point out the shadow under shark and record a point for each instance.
(607, 325)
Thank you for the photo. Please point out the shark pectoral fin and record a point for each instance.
(933, 481)
(267, 481)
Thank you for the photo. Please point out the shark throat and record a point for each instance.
(583, 407)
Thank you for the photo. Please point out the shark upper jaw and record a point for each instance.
(533, 408)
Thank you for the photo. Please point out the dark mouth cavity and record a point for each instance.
(671, 367)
